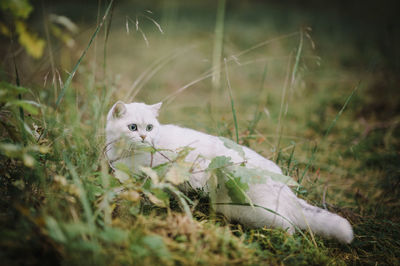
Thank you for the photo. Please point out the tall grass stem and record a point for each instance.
(18, 83)
(218, 44)
(257, 113)
(232, 102)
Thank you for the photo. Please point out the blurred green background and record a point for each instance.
(303, 74)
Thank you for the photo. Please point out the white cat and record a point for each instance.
(137, 122)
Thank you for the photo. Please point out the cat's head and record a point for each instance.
(135, 121)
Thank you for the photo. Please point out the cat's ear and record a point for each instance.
(156, 108)
(117, 111)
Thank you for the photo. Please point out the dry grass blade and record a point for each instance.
(209, 73)
(261, 44)
(155, 23)
(147, 74)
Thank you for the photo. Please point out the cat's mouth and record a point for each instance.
(144, 142)
(140, 141)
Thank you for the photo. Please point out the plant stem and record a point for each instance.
(232, 103)
(218, 44)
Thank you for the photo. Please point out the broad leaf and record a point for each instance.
(151, 173)
(29, 106)
(158, 197)
(233, 146)
(162, 169)
(259, 176)
(32, 43)
(54, 230)
(183, 152)
(156, 244)
(178, 173)
(113, 235)
(219, 162)
(18, 8)
(74, 229)
(249, 175)
(237, 190)
(281, 178)
(235, 186)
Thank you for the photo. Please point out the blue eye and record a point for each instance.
(149, 127)
(132, 127)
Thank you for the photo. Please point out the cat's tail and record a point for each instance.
(323, 222)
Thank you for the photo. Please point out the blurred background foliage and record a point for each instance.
(291, 66)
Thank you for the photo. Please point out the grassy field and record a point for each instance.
(314, 89)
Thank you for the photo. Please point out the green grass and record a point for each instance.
(57, 196)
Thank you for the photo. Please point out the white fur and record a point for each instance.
(170, 138)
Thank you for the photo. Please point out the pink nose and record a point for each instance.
(143, 137)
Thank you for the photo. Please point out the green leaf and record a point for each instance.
(258, 176)
(183, 153)
(29, 161)
(157, 197)
(75, 229)
(123, 173)
(20, 184)
(178, 173)
(249, 175)
(156, 245)
(219, 162)
(86, 244)
(11, 150)
(240, 177)
(139, 251)
(281, 178)
(123, 167)
(162, 169)
(237, 190)
(8, 91)
(134, 210)
(18, 8)
(161, 195)
(29, 106)
(113, 235)
(233, 146)
(32, 43)
(147, 184)
(182, 198)
(54, 230)
(144, 148)
(93, 190)
(151, 173)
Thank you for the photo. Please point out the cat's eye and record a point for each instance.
(149, 127)
(132, 127)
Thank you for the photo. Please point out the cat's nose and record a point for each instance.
(143, 136)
